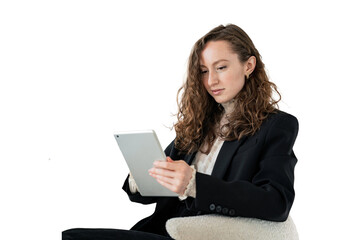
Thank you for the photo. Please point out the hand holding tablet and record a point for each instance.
(140, 150)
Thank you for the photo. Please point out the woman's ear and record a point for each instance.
(250, 66)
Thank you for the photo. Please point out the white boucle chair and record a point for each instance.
(219, 227)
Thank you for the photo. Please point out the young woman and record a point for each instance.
(232, 154)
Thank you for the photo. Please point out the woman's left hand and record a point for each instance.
(174, 175)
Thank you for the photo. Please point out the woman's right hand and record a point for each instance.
(174, 175)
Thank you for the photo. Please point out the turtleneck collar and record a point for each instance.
(228, 106)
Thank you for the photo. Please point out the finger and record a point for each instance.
(162, 178)
(168, 159)
(162, 172)
(165, 165)
(167, 185)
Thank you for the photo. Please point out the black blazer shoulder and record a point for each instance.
(278, 120)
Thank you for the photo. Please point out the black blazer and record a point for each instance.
(253, 177)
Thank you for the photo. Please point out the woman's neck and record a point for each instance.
(228, 106)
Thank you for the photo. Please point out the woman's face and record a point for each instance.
(223, 74)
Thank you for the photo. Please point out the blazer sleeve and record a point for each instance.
(270, 194)
(136, 197)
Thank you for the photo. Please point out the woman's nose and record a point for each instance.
(212, 78)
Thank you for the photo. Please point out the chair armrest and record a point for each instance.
(222, 227)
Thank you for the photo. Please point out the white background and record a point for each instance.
(72, 73)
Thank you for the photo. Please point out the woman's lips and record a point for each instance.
(217, 91)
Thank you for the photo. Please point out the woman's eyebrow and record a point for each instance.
(216, 62)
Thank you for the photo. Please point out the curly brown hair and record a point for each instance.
(198, 112)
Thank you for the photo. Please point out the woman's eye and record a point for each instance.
(221, 68)
(203, 71)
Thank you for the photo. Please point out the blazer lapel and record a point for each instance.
(225, 155)
(188, 158)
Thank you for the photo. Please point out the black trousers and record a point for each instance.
(108, 234)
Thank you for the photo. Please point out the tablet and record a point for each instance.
(140, 149)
